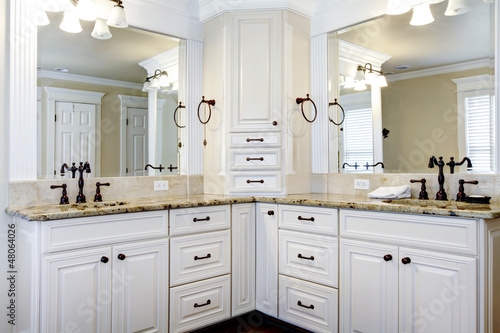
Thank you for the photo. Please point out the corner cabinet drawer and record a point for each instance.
(308, 305)
(309, 257)
(100, 230)
(202, 219)
(199, 304)
(198, 257)
(256, 181)
(309, 219)
(459, 235)
(252, 140)
(245, 159)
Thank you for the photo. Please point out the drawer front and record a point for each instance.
(308, 305)
(199, 304)
(199, 219)
(256, 182)
(309, 257)
(250, 159)
(431, 232)
(198, 257)
(252, 140)
(91, 231)
(309, 219)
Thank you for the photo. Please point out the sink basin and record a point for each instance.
(437, 204)
(98, 204)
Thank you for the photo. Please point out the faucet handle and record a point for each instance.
(98, 196)
(64, 197)
(423, 195)
(461, 194)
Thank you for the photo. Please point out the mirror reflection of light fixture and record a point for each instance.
(422, 15)
(70, 22)
(457, 7)
(367, 75)
(421, 11)
(86, 10)
(158, 80)
(117, 17)
(101, 30)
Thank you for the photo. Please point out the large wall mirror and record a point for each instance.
(93, 105)
(439, 98)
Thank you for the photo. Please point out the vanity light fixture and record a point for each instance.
(156, 81)
(422, 15)
(367, 75)
(457, 7)
(421, 9)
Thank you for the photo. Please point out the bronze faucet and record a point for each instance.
(153, 167)
(423, 193)
(64, 197)
(441, 194)
(98, 195)
(80, 198)
(461, 194)
(73, 169)
(452, 164)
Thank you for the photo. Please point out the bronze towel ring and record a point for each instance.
(301, 102)
(210, 103)
(343, 112)
(175, 112)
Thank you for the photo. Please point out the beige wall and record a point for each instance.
(421, 115)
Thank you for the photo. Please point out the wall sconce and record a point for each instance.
(421, 11)
(156, 81)
(367, 75)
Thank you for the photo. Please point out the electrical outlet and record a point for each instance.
(361, 184)
(161, 186)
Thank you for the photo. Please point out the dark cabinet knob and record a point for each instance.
(121, 256)
(104, 259)
(275, 123)
(270, 212)
(387, 257)
(406, 260)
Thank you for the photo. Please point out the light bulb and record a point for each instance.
(70, 23)
(101, 30)
(86, 10)
(422, 15)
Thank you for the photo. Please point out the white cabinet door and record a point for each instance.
(267, 258)
(140, 282)
(369, 287)
(76, 291)
(243, 253)
(438, 292)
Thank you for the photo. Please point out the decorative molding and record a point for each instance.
(163, 61)
(352, 55)
(133, 101)
(211, 8)
(73, 95)
(473, 83)
(462, 66)
(88, 79)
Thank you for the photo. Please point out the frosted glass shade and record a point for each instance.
(155, 84)
(101, 30)
(359, 76)
(164, 81)
(70, 23)
(380, 81)
(370, 77)
(397, 7)
(86, 10)
(117, 18)
(457, 7)
(359, 86)
(422, 15)
(147, 86)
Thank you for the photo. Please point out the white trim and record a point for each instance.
(88, 79)
(162, 61)
(350, 53)
(73, 95)
(472, 83)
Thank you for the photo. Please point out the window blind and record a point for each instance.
(358, 138)
(480, 132)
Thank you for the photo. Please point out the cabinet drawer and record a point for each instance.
(91, 231)
(250, 159)
(199, 304)
(198, 257)
(308, 305)
(431, 232)
(309, 219)
(252, 140)
(309, 257)
(190, 220)
(256, 181)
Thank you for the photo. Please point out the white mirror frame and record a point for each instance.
(343, 14)
(23, 162)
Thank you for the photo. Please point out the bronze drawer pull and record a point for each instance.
(121, 256)
(306, 258)
(255, 159)
(205, 257)
(255, 181)
(196, 305)
(299, 303)
(406, 260)
(198, 220)
(270, 212)
(305, 219)
(104, 260)
(388, 257)
(260, 139)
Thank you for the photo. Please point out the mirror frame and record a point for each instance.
(23, 163)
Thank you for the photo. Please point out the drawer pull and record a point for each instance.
(198, 220)
(104, 259)
(260, 140)
(299, 303)
(255, 181)
(255, 159)
(270, 212)
(305, 219)
(205, 257)
(121, 256)
(306, 258)
(406, 260)
(196, 305)
(387, 257)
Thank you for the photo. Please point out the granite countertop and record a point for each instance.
(413, 206)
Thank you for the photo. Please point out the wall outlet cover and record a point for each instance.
(161, 185)
(361, 184)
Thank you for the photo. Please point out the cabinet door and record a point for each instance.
(438, 292)
(256, 60)
(76, 291)
(243, 251)
(369, 292)
(140, 282)
(267, 258)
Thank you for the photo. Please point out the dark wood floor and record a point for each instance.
(253, 322)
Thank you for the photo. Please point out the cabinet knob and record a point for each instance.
(104, 259)
(406, 260)
(275, 123)
(270, 212)
(387, 257)
(121, 256)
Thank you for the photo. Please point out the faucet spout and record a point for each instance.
(441, 194)
(452, 163)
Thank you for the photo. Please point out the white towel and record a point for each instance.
(394, 192)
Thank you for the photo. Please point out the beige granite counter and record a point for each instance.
(430, 207)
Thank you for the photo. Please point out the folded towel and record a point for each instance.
(394, 192)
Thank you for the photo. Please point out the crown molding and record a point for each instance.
(163, 61)
(88, 79)
(351, 56)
